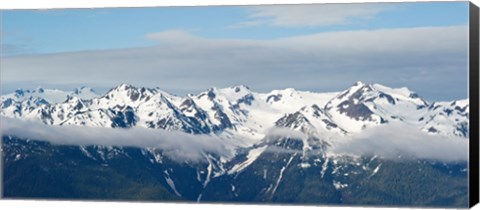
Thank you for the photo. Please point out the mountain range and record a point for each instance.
(277, 143)
(239, 112)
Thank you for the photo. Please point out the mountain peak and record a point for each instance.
(360, 90)
(83, 89)
(294, 121)
(212, 92)
(39, 90)
(124, 86)
(72, 99)
(400, 91)
(235, 90)
(20, 92)
(353, 90)
(212, 89)
(126, 92)
(290, 90)
(359, 83)
(238, 88)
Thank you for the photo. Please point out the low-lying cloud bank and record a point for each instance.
(279, 132)
(177, 145)
(387, 141)
(394, 140)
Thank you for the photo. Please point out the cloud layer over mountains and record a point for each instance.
(387, 142)
(394, 140)
(175, 144)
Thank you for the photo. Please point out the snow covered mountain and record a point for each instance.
(276, 141)
(32, 104)
(51, 95)
(237, 112)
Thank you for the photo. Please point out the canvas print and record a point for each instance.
(312, 104)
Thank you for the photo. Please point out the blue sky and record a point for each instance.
(50, 31)
(52, 41)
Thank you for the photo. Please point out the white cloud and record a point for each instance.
(172, 36)
(278, 132)
(177, 145)
(313, 15)
(393, 140)
(387, 141)
(429, 60)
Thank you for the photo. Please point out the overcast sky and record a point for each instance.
(188, 49)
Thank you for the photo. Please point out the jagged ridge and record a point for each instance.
(239, 112)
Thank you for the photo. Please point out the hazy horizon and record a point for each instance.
(104, 90)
